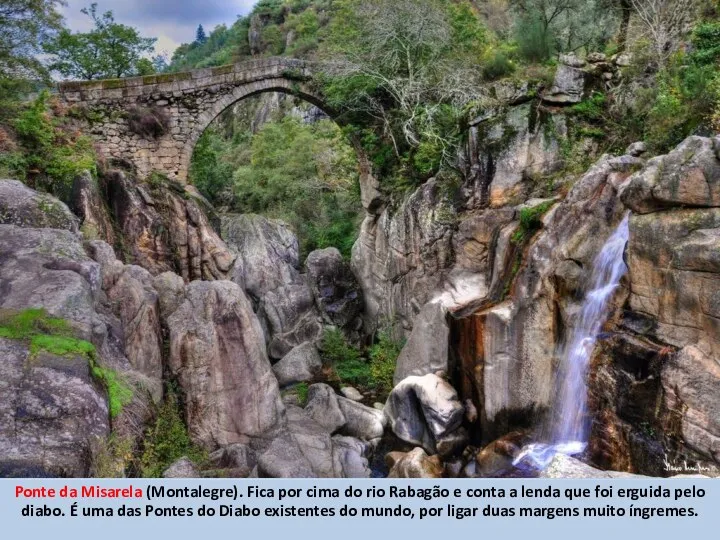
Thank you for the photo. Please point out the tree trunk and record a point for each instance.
(626, 11)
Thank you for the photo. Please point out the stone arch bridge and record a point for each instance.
(155, 121)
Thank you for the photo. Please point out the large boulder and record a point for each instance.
(48, 268)
(182, 468)
(689, 175)
(290, 317)
(53, 415)
(563, 466)
(323, 407)
(301, 364)
(305, 449)
(336, 291)
(25, 207)
(414, 464)
(569, 84)
(267, 253)
(341, 415)
(134, 301)
(424, 410)
(217, 353)
(426, 351)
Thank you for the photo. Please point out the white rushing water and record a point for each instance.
(569, 427)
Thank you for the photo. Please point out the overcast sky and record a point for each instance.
(171, 21)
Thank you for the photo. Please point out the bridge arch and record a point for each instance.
(175, 108)
(184, 105)
(241, 93)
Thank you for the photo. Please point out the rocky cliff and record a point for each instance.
(138, 296)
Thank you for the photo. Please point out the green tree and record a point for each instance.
(25, 25)
(109, 50)
(200, 36)
(546, 27)
(406, 64)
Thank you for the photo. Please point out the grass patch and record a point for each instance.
(44, 333)
(530, 221)
(301, 390)
(119, 392)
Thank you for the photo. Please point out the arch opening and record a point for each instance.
(279, 153)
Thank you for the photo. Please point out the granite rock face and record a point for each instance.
(267, 253)
(217, 353)
(53, 415)
(165, 228)
(25, 207)
(337, 293)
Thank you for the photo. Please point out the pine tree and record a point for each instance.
(200, 36)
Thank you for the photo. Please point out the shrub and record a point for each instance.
(535, 42)
(345, 360)
(383, 358)
(51, 150)
(497, 64)
(167, 440)
(530, 221)
(592, 108)
(706, 42)
(150, 122)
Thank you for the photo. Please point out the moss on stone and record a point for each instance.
(111, 84)
(119, 392)
(45, 333)
(223, 70)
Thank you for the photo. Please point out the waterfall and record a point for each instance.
(569, 427)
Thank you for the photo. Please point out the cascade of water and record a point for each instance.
(569, 425)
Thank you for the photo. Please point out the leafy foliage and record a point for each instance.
(53, 155)
(546, 27)
(346, 360)
(530, 221)
(303, 174)
(167, 440)
(25, 25)
(109, 50)
(383, 359)
(403, 68)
